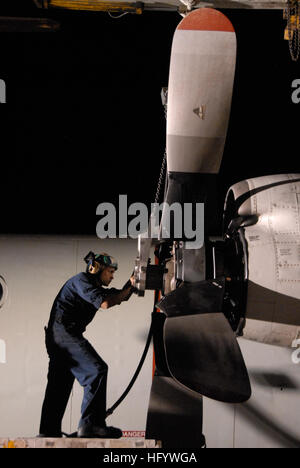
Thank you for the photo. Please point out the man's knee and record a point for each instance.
(101, 369)
(104, 367)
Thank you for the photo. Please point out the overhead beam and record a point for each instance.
(167, 5)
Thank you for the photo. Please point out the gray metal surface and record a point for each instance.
(190, 264)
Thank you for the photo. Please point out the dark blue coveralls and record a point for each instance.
(72, 356)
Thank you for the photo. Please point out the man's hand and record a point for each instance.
(129, 283)
(123, 295)
(129, 288)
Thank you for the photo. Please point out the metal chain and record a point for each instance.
(294, 39)
(161, 175)
(163, 165)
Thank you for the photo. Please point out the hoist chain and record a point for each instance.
(164, 95)
(161, 176)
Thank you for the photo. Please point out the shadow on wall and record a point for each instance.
(268, 426)
(274, 380)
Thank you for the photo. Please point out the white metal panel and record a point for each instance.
(270, 419)
(273, 302)
(218, 423)
(274, 262)
(35, 268)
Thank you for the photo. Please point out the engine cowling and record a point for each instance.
(266, 213)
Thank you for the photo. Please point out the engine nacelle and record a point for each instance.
(265, 211)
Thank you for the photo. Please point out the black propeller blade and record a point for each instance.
(201, 349)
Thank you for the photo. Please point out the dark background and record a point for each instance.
(84, 121)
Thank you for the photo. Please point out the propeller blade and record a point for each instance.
(174, 415)
(203, 354)
(200, 87)
(201, 349)
(174, 412)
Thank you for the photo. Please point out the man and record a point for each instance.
(72, 356)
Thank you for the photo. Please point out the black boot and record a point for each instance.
(51, 435)
(102, 432)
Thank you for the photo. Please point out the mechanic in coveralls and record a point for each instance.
(72, 356)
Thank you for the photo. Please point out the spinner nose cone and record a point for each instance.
(206, 19)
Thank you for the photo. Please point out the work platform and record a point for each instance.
(68, 442)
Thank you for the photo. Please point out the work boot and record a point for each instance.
(102, 432)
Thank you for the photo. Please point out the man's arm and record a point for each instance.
(123, 295)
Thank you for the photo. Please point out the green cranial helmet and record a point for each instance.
(107, 260)
(101, 258)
